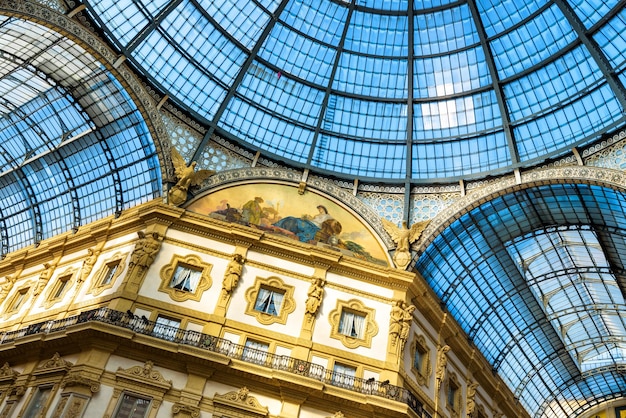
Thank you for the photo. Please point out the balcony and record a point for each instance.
(213, 344)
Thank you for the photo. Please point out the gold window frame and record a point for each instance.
(193, 261)
(356, 306)
(275, 284)
(97, 286)
(424, 370)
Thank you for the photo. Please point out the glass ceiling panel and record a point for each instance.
(531, 43)
(451, 74)
(444, 31)
(386, 78)
(370, 159)
(366, 119)
(321, 20)
(243, 20)
(611, 38)
(551, 86)
(390, 4)
(178, 74)
(575, 249)
(382, 35)
(591, 11)
(267, 130)
(300, 56)
(587, 117)
(280, 95)
(125, 18)
(498, 16)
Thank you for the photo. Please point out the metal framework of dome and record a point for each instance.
(390, 92)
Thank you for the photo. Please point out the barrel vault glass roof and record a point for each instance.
(395, 90)
(73, 147)
(537, 280)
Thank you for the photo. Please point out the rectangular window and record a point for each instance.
(343, 375)
(186, 278)
(109, 273)
(255, 351)
(38, 402)
(452, 391)
(59, 287)
(352, 324)
(166, 328)
(417, 359)
(269, 300)
(18, 299)
(132, 406)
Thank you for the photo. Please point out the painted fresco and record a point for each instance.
(279, 209)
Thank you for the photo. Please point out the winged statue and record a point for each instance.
(403, 237)
(187, 176)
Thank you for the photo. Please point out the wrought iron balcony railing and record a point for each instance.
(141, 325)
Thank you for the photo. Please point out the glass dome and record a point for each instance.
(389, 91)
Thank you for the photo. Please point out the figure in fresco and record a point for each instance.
(252, 211)
(233, 273)
(276, 209)
(321, 227)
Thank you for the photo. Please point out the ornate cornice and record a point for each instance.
(241, 399)
(186, 410)
(56, 363)
(76, 379)
(7, 374)
(145, 374)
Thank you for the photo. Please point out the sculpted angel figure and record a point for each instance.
(187, 176)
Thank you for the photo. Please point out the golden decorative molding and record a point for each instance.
(314, 296)
(180, 410)
(442, 361)
(7, 373)
(56, 363)
(273, 284)
(76, 379)
(357, 307)
(145, 374)
(145, 251)
(233, 273)
(240, 400)
(470, 403)
(193, 261)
